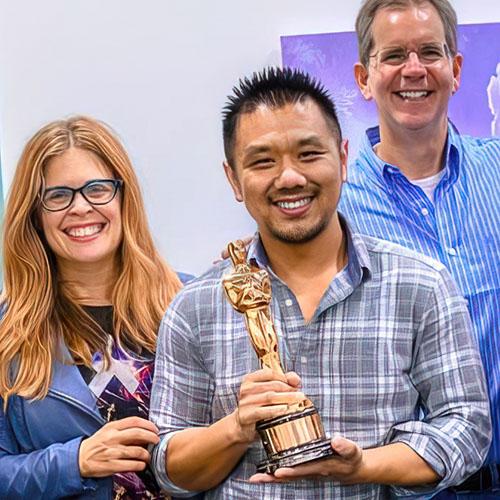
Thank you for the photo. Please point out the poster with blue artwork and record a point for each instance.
(330, 57)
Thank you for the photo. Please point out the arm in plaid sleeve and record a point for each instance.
(181, 407)
(451, 441)
(454, 436)
(182, 389)
(201, 450)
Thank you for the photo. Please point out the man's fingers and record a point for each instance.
(267, 375)
(338, 467)
(293, 379)
(346, 448)
(271, 398)
(250, 416)
(265, 387)
(305, 471)
(264, 375)
(264, 478)
(284, 472)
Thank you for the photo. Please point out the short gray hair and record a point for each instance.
(369, 8)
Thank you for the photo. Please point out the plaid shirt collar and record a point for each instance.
(358, 266)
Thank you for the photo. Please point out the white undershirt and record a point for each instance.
(428, 184)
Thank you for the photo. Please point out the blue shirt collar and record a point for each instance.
(382, 172)
(358, 259)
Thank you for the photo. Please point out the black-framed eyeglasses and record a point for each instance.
(95, 192)
(427, 53)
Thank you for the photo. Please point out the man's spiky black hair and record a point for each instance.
(274, 87)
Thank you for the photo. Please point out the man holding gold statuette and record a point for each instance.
(318, 363)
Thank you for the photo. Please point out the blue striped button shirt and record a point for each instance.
(460, 229)
(390, 337)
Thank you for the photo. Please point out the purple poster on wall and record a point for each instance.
(330, 57)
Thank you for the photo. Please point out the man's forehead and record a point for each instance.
(408, 21)
(266, 117)
(300, 121)
(299, 105)
(296, 138)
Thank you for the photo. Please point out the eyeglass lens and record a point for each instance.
(427, 54)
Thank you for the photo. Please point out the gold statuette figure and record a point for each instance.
(297, 436)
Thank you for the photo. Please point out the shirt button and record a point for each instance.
(424, 211)
(288, 302)
(303, 359)
(452, 252)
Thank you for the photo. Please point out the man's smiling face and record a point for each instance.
(413, 95)
(288, 170)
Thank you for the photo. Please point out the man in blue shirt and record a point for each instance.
(419, 183)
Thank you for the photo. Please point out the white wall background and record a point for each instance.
(158, 72)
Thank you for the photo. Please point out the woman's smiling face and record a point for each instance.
(82, 233)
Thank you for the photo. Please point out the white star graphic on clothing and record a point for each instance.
(123, 370)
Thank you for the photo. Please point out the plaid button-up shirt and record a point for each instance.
(387, 357)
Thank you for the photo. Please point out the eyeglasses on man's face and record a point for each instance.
(95, 192)
(427, 53)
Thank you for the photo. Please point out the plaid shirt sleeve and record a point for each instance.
(454, 436)
(182, 389)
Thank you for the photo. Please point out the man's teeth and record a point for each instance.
(415, 94)
(293, 204)
(85, 231)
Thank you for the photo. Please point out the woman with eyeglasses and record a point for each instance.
(84, 293)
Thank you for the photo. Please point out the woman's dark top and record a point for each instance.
(123, 390)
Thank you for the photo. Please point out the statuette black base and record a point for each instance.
(308, 452)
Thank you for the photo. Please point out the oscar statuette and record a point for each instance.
(297, 436)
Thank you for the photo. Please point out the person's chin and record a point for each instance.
(414, 121)
(96, 258)
(298, 234)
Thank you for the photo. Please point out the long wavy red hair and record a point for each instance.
(40, 312)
